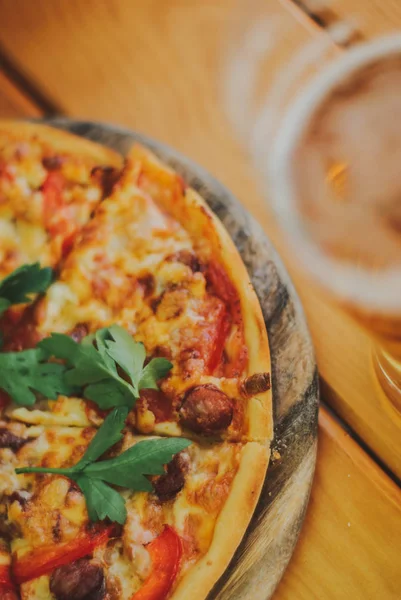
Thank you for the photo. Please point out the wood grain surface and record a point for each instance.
(157, 71)
(13, 102)
(352, 517)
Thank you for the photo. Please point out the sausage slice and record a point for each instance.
(168, 485)
(206, 410)
(10, 440)
(80, 580)
(256, 384)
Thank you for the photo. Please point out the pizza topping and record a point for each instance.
(10, 440)
(148, 284)
(7, 588)
(158, 403)
(186, 257)
(80, 331)
(19, 286)
(5, 577)
(206, 410)
(53, 162)
(95, 367)
(168, 485)
(130, 469)
(22, 372)
(22, 336)
(165, 552)
(8, 594)
(256, 384)
(107, 177)
(45, 559)
(80, 580)
(52, 189)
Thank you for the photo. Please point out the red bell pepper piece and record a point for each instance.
(52, 198)
(44, 560)
(5, 577)
(7, 587)
(165, 552)
(222, 329)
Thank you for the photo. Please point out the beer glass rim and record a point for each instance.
(379, 290)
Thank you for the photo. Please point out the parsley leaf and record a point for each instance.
(21, 283)
(4, 304)
(95, 367)
(145, 458)
(109, 434)
(127, 353)
(102, 500)
(91, 368)
(130, 469)
(23, 372)
(154, 370)
(130, 356)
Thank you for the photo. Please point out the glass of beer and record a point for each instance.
(331, 158)
(335, 178)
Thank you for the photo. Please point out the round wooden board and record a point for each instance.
(266, 548)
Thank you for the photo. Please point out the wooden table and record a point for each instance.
(153, 66)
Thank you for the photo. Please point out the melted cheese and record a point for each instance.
(37, 589)
(51, 505)
(64, 412)
(98, 283)
(24, 234)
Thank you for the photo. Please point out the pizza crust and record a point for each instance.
(62, 141)
(230, 526)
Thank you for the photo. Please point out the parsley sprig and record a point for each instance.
(94, 367)
(128, 470)
(22, 373)
(19, 286)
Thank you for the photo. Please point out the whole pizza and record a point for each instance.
(135, 403)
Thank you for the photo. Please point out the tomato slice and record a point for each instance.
(165, 552)
(44, 560)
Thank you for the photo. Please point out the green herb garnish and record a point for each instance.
(129, 470)
(95, 367)
(23, 372)
(18, 287)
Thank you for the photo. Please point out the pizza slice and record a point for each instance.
(171, 285)
(176, 540)
(50, 182)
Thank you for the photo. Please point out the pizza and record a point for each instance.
(136, 418)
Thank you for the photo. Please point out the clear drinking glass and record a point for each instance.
(324, 127)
